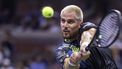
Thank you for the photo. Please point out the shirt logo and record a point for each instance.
(75, 48)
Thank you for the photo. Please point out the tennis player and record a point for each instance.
(73, 53)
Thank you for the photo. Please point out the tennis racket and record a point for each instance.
(107, 30)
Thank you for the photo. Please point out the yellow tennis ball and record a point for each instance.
(47, 12)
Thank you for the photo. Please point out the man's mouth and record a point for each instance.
(65, 30)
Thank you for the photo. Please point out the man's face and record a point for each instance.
(69, 24)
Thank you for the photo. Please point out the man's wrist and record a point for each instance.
(72, 64)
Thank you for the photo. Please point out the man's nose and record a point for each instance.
(66, 24)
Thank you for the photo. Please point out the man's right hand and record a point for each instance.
(73, 62)
(77, 57)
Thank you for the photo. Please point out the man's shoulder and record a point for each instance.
(63, 47)
(88, 25)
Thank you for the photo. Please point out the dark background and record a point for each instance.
(30, 38)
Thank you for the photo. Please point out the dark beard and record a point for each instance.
(73, 36)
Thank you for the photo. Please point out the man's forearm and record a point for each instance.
(87, 37)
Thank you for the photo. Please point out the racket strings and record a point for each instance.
(109, 29)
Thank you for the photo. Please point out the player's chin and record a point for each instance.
(66, 36)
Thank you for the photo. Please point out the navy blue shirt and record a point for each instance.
(100, 58)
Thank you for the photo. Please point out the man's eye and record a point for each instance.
(70, 21)
(62, 20)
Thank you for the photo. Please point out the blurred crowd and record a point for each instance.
(28, 40)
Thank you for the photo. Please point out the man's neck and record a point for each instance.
(69, 40)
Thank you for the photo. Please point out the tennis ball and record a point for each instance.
(47, 12)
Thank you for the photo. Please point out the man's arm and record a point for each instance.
(65, 60)
(73, 61)
(86, 38)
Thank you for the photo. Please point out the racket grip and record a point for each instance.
(87, 48)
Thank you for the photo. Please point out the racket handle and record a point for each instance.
(87, 48)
